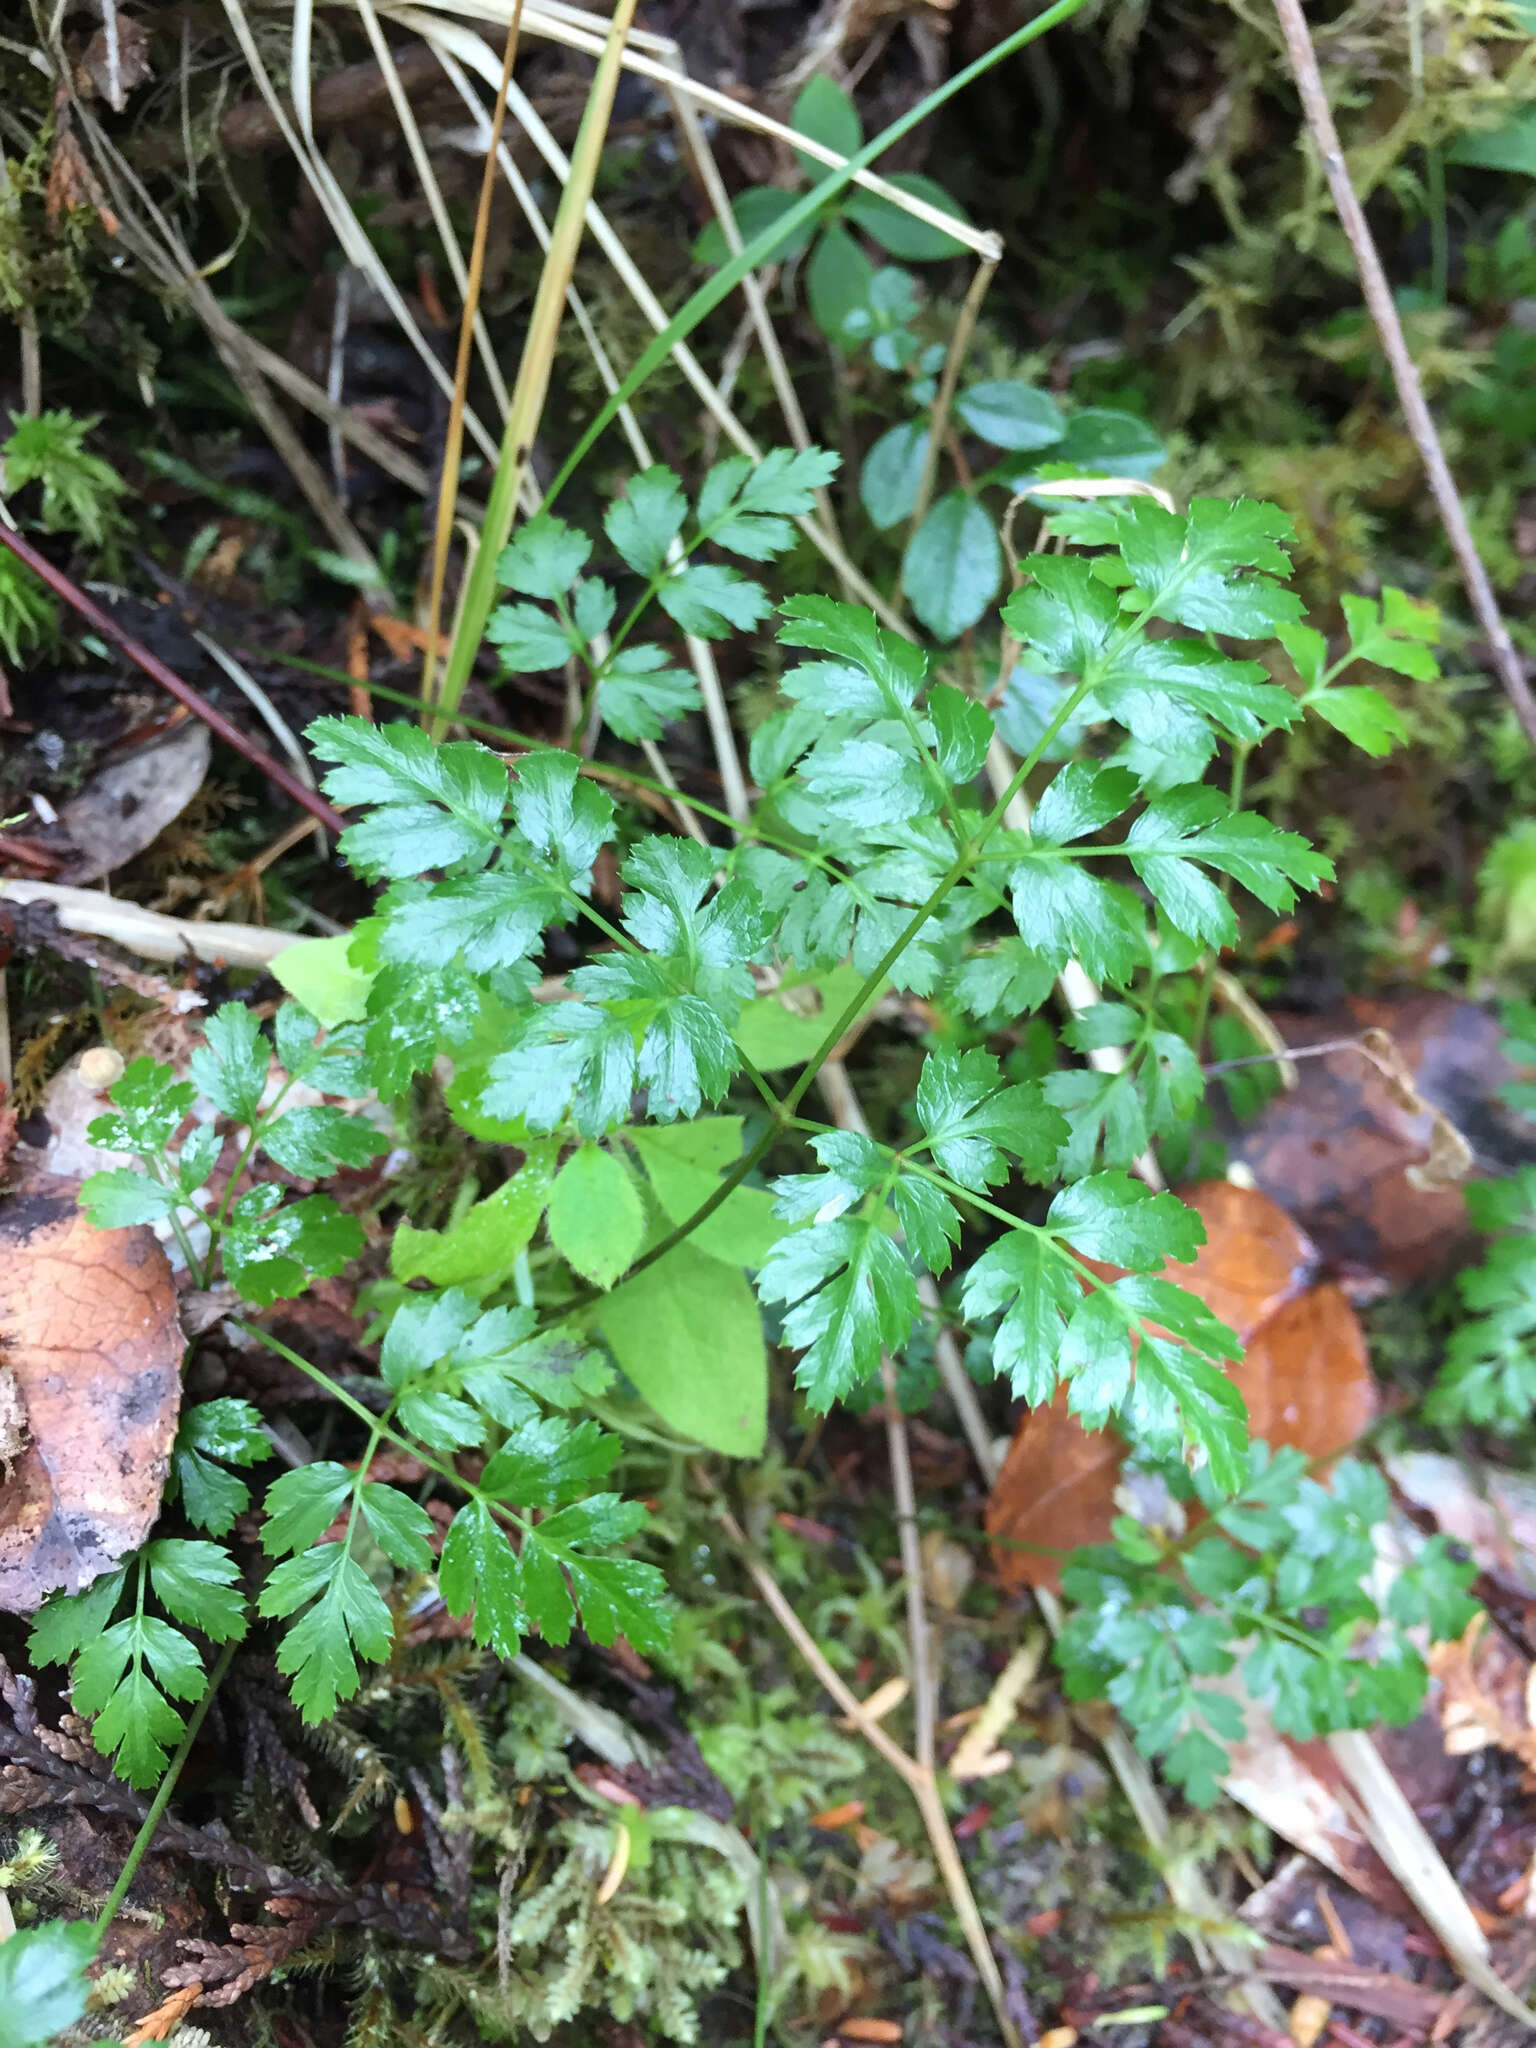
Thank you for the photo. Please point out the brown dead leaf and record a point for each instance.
(88, 1328)
(130, 802)
(1366, 1151)
(1305, 1375)
(117, 60)
(1056, 1491)
(1487, 1693)
(1253, 1259)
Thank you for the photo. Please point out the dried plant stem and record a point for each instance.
(453, 447)
(1383, 310)
(848, 1114)
(918, 1778)
(944, 397)
(533, 369)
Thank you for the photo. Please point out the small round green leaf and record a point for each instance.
(901, 233)
(953, 566)
(892, 469)
(837, 282)
(1011, 415)
(1114, 443)
(825, 113)
(596, 1217)
(755, 209)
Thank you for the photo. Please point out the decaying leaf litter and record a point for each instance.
(747, 1834)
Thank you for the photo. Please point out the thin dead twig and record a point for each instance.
(1383, 310)
(109, 629)
(453, 452)
(848, 1114)
(918, 1778)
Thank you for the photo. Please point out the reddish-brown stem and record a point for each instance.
(104, 623)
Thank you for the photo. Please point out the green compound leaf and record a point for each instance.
(271, 1249)
(148, 1104)
(479, 1571)
(345, 1619)
(430, 805)
(210, 1437)
(973, 1120)
(851, 1294)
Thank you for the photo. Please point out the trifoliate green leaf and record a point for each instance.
(230, 1066)
(313, 1141)
(210, 1436)
(1396, 633)
(973, 1120)
(563, 819)
(643, 523)
(545, 558)
(640, 693)
(547, 1462)
(148, 1104)
(271, 1251)
(124, 1678)
(849, 632)
(1063, 912)
(120, 1196)
(302, 1504)
(198, 1584)
(1207, 570)
(1024, 1275)
(529, 640)
(851, 1294)
(1186, 826)
(431, 805)
(929, 1221)
(1118, 1219)
(962, 732)
(347, 1620)
(713, 600)
(398, 1525)
(747, 506)
(479, 1570)
(1366, 718)
(66, 1622)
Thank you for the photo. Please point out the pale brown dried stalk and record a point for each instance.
(1383, 310)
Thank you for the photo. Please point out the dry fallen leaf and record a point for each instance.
(117, 60)
(1056, 1491)
(1366, 1151)
(1487, 1693)
(88, 1328)
(129, 802)
(1305, 1376)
